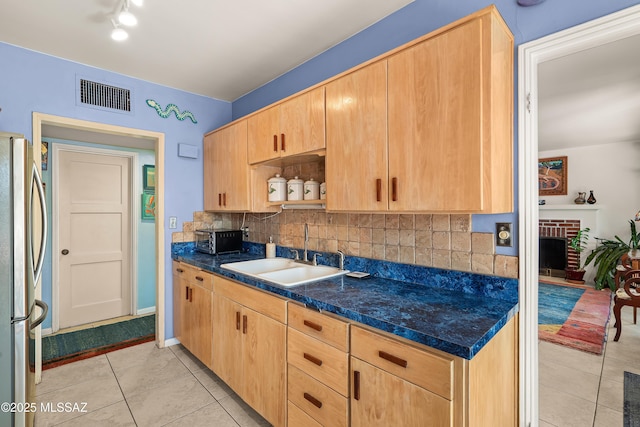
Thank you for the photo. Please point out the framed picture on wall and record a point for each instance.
(148, 207)
(149, 177)
(552, 176)
(44, 151)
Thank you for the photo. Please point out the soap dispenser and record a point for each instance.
(271, 248)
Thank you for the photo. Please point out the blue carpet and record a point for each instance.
(631, 400)
(555, 303)
(71, 346)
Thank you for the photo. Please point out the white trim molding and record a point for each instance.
(613, 27)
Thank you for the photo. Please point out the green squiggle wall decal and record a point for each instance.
(171, 108)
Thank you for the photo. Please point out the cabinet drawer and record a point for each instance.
(262, 302)
(316, 399)
(296, 417)
(321, 361)
(431, 371)
(200, 277)
(325, 328)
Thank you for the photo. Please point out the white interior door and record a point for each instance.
(94, 237)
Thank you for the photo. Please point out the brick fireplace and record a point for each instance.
(567, 228)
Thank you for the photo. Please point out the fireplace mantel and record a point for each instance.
(584, 207)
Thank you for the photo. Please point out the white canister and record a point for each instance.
(323, 191)
(311, 190)
(277, 188)
(295, 189)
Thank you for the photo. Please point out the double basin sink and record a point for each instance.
(284, 271)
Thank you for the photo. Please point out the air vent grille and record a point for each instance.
(102, 95)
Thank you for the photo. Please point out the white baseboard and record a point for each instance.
(171, 341)
(46, 331)
(147, 310)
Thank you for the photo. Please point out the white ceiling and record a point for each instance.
(218, 48)
(591, 97)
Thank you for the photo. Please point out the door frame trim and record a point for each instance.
(157, 139)
(134, 214)
(609, 28)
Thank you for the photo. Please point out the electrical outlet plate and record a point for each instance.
(503, 234)
(173, 222)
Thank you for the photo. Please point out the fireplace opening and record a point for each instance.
(552, 255)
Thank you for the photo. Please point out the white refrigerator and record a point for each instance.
(20, 268)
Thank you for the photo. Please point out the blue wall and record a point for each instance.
(415, 20)
(30, 81)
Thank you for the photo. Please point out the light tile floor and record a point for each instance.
(140, 386)
(581, 389)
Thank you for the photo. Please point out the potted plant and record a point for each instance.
(606, 255)
(578, 243)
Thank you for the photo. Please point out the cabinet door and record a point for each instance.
(435, 123)
(180, 297)
(226, 172)
(382, 399)
(265, 359)
(200, 318)
(357, 140)
(227, 341)
(264, 135)
(302, 123)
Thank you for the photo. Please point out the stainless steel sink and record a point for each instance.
(283, 271)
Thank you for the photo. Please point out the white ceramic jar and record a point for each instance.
(323, 191)
(311, 190)
(295, 189)
(277, 188)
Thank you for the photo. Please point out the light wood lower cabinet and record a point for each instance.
(249, 351)
(192, 308)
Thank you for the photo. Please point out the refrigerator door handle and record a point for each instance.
(45, 309)
(43, 204)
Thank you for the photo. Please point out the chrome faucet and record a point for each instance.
(295, 254)
(315, 258)
(341, 260)
(305, 258)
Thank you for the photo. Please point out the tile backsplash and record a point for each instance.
(442, 241)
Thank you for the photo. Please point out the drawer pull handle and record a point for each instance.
(282, 144)
(219, 199)
(199, 279)
(378, 190)
(244, 324)
(393, 359)
(313, 400)
(224, 199)
(356, 385)
(312, 359)
(313, 325)
(237, 320)
(179, 270)
(190, 294)
(275, 142)
(186, 296)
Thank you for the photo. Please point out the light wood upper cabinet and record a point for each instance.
(226, 172)
(450, 119)
(356, 119)
(292, 127)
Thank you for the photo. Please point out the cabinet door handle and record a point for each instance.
(190, 294)
(356, 385)
(313, 400)
(219, 199)
(283, 147)
(275, 142)
(179, 270)
(393, 359)
(199, 279)
(312, 359)
(394, 189)
(186, 296)
(378, 190)
(224, 199)
(237, 320)
(244, 324)
(312, 325)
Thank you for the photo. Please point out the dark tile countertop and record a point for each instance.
(452, 318)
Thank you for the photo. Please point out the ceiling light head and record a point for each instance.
(127, 18)
(118, 34)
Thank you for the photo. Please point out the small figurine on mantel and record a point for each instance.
(580, 200)
(591, 200)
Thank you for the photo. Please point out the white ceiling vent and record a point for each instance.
(104, 96)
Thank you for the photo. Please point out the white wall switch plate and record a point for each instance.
(173, 222)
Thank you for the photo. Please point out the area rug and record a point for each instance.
(631, 400)
(573, 317)
(69, 347)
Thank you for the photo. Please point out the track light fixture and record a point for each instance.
(124, 17)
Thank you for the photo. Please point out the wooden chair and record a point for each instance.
(624, 265)
(628, 294)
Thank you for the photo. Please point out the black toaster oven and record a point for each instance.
(218, 241)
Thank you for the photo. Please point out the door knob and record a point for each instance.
(65, 251)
